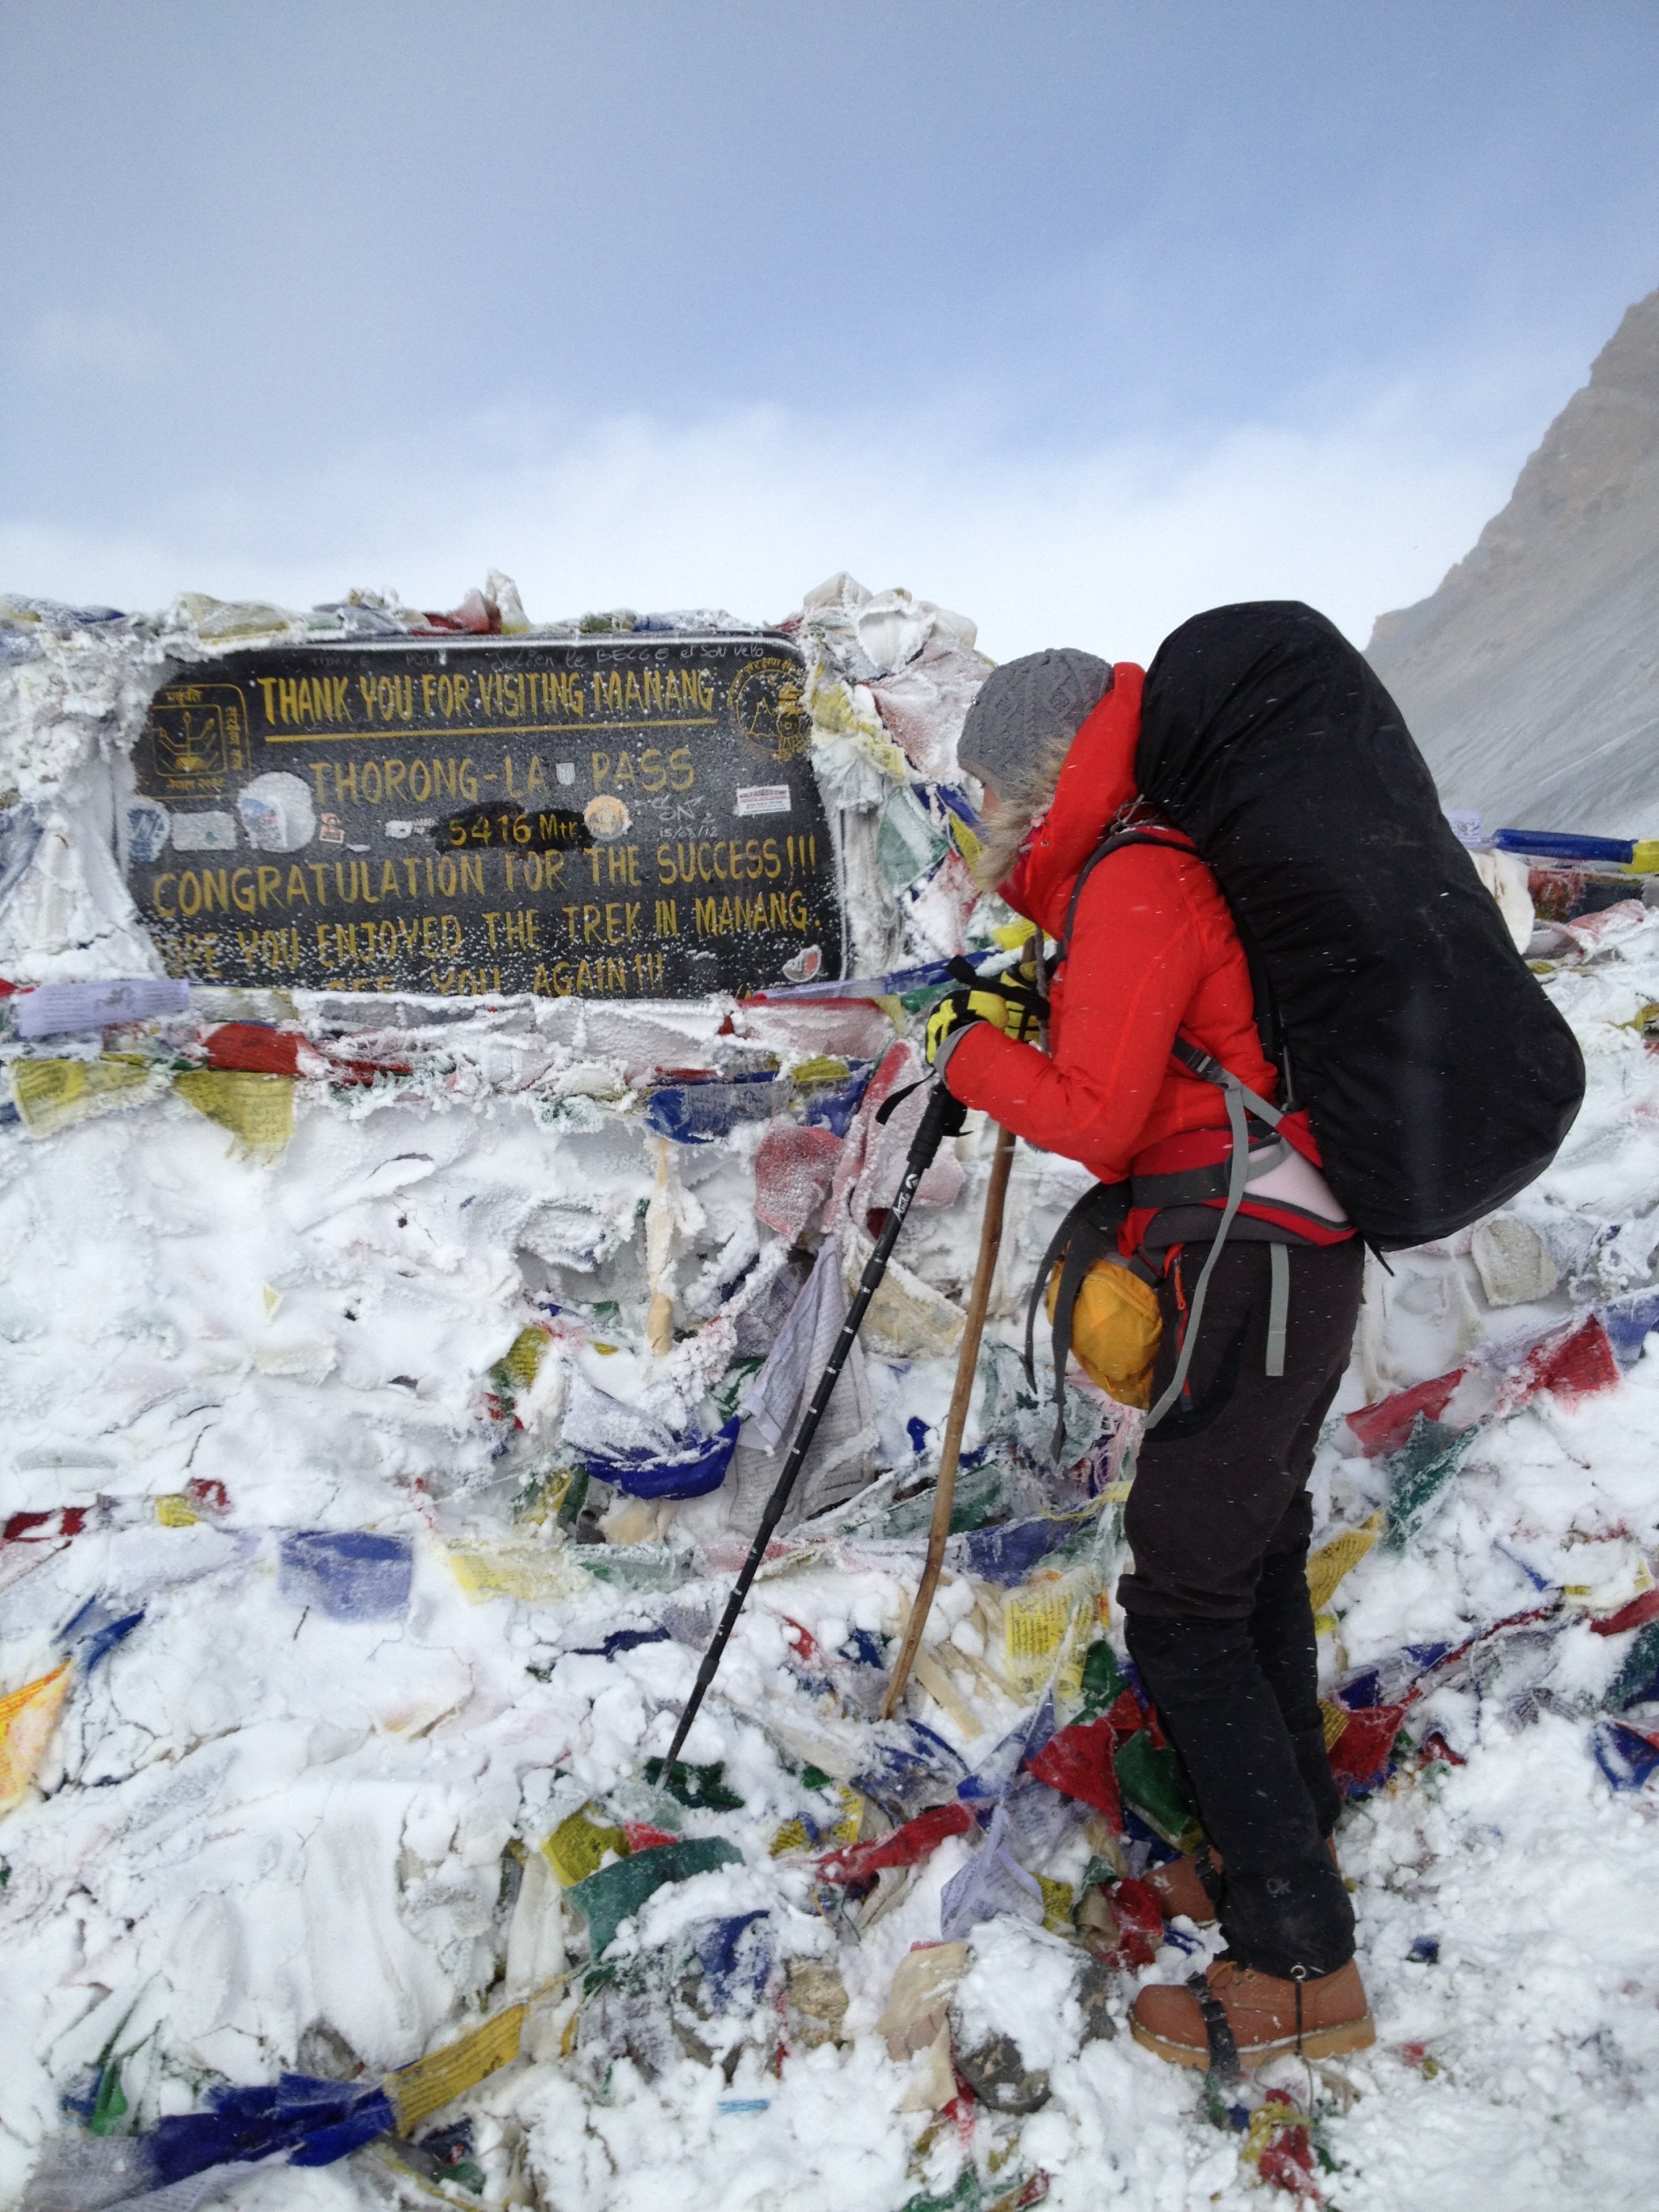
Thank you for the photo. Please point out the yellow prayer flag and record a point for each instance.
(417, 2091)
(967, 842)
(1033, 1624)
(1092, 1614)
(52, 1093)
(845, 1830)
(26, 1723)
(577, 1847)
(258, 1108)
(1056, 1905)
(1047, 1627)
(1265, 2123)
(525, 1568)
(793, 1836)
(1332, 1561)
(522, 1361)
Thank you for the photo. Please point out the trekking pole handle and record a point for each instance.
(943, 1117)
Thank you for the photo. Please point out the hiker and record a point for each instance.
(1215, 1604)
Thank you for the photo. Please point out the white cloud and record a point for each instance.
(1109, 549)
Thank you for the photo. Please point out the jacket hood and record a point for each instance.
(1096, 784)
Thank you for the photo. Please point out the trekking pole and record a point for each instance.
(990, 1243)
(943, 1118)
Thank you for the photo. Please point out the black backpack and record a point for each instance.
(1438, 1079)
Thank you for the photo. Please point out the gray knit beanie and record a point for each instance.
(1027, 710)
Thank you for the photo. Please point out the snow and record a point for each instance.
(259, 1827)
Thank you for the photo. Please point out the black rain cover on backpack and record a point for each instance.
(1439, 1077)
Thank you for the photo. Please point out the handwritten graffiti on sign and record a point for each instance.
(624, 817)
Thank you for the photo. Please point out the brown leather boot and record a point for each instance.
(1183, 1891)
(1234, 2017)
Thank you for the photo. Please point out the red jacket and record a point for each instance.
(1153, 949)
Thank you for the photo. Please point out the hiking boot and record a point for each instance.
(1182, 1889)
(1187, 1888)
(1234, 2018)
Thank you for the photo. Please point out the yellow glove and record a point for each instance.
(1005, 1001)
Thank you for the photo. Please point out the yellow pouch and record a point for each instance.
(1116, 1327)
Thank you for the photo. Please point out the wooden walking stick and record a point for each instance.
(990, 1243)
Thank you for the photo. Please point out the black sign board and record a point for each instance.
(627, 816)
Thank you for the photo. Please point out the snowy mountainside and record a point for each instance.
(1531, 678)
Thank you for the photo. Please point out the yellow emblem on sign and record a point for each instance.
(200, 734)
(768, 707)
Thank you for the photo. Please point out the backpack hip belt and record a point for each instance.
(1089, 1233)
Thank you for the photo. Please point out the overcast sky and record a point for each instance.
(1077, 316)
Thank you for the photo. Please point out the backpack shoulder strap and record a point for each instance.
(1209, 1069)
(1151, 835)
(1269, 1028)
(1239, 1097)
(1085, 1234)
(1275, 1046)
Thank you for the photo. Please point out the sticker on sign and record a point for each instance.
(762, 799)
(204, 833)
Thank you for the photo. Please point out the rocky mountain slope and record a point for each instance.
(1531, 676)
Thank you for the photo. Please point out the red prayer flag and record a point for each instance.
(1569, 1362)
(1383, 1427)
(1636, 1614)
(1361, 1752)
(1078, 1762)
(916, 1840)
